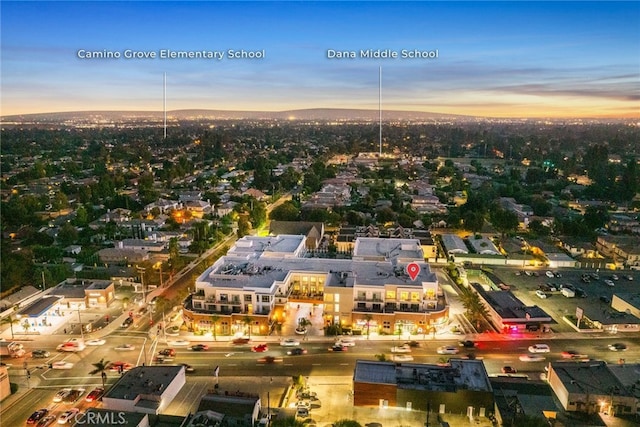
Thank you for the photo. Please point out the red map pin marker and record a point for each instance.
(413, 270)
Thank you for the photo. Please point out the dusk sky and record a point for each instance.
(494, 59)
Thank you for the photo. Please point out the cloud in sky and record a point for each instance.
(536, 58)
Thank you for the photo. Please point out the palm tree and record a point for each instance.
(101, 368)
(247, 320)
(368, 317)
(11, 321)
(214, 321)
(476, 311)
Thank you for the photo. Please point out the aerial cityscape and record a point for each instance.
(344, 214)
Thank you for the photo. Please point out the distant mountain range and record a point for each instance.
(324, 114)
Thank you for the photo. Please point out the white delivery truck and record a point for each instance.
(11, 349)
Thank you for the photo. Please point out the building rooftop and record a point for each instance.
(383, 249)
(146, 383)
(591, 378)
(283, 245)
(453, 244)
(459, 374)
(262, 273)
(41, 306)
(483, 246)
(99, 284)
(229, 404)
(508, 306)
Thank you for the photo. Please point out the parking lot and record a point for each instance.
(594, 296)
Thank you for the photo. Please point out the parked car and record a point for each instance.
(37, 416)
(541, 294)
(401, 357)
(167, 352)
(609, 283)
(572, 354)
(74, 395)
(199, 347)
(539, 348)
(260, 348)
(531, 358)
(94, 394)
(120, 366)
(40, 354)
(67, 416)
(404, 348)
(61, 394)
(447, 349)
(617, 347)
(125, 347)
(289, 342)
(46, 421)
(347, 342)
(269, 359)
(188, 368)
(61, 365)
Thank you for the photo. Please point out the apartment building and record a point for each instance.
(251, 289)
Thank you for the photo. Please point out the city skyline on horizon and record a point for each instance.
(483, 59)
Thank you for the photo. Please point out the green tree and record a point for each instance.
(476, 311)
(174, 250)
(287, 211)
(10, 320)
(473, 221)
(68, 234)
(258, 214)
(101, 368)
(248, 320)
(504, 221)
(368, 318)
(214, 322)
(243, 226)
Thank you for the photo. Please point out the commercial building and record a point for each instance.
(260, 277)
(460, 386)
(593, 387)
(145, 389)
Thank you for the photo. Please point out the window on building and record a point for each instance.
(415, 296)
(362, 305)
(266, 298)
(386, 325)
(248, 298)
(404, 296)
(376, 307)
(224, 297)
(376, 296)
(391, 294)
